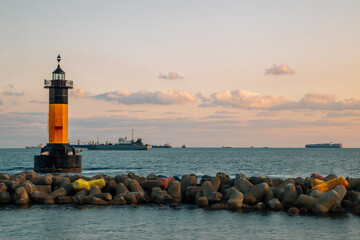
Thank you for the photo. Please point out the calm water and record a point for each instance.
(184, 222)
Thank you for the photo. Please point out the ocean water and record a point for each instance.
(185, 221)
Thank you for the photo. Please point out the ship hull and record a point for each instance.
(119, 147)
(324, 145)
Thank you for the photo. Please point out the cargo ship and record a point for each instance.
(123, 144)
(38, 146)
(324, 145)
(167, 145)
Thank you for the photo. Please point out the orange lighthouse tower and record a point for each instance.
(58, 155)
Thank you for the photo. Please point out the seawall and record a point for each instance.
(295, 195)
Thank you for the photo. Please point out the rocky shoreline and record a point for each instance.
(294, 195)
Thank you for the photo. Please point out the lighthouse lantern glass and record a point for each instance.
(58, 76)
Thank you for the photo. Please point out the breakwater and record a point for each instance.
(294, 195)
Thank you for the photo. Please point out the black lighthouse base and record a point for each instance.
(57, 158)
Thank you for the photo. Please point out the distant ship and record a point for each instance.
(123, 144)
(167, 145)
(324, 145)
(38, 146)
(183, 146)
(225, 147)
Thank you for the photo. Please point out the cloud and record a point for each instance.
(170, 76)
(160, 97)
(245, 100)
(79, 93)
(11, 93)
(242, 99)
(317, 101)
(278, 70)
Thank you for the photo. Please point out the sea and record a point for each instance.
(184, 221)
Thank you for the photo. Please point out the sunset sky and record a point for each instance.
(200, 73)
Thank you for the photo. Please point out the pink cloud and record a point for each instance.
(278, 70)
(79, 93)
(170, 76)
(160, 97)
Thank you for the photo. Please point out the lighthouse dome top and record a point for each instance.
(58, 74)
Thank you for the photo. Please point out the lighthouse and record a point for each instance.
(58, 155)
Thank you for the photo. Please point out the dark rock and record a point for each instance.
(39, 197)
(4, 176)
(12, 185)
(110, 187)
(149, 184)
(330, 177)
(32, 176)
(199, 194)
(130, 198)
(210, 193)
(43, 188)
(103, 196)
(236, 200)
(59, 192)
(64, 199)
(21, 196)
(84, 199)
(229, 192)
(293, 210)
(275, 204)
(29, 186)
(353, 183)
(5, 197)
(118, 200)
(186, 181)
(256, 193)
(69, 189)
(305, 201)
(3, 187)
(299, 190)
(121, 188)
(316, 193)
(278, 193)
(44, 180)
(303, 210)
(56, 182)
(352, 195)
(82, 193)
(216, 183)
(175, 191)
(347, 204)
(307, 182)
(218, 206)
(276, 182)
(49, 200)
(131, 175)
(121, 178)
(98, 201)
(189, 195)
(290, 195)
(286, 182)
(151, 176)
(242, 184)
(94, 190)
(260, 206)
(202, 202)
(134, 186)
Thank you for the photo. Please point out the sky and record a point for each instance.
(200, 73)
